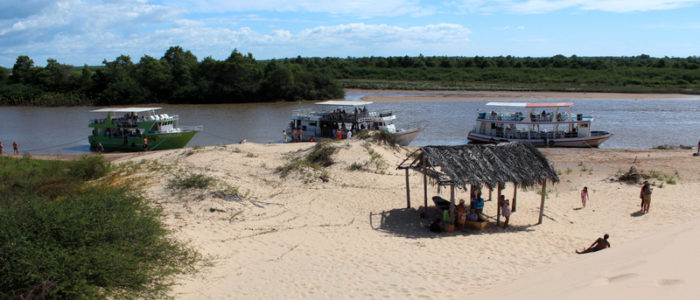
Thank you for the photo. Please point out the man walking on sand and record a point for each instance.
(645, 194)
(15, 147)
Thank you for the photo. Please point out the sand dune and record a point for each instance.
(353, 237)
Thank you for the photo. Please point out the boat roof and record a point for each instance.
(344, 103)
(126, 109)
(531, 104)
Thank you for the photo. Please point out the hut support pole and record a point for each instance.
(515, 195)
(425, 191)
(452, 202)
(408, 192)
(544, 189)
(498, 205)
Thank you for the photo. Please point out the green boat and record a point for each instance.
(138, 129)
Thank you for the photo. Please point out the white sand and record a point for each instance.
(352, 237)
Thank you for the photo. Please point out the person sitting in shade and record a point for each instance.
(436, 226)
(473, 216)
(505, 210)
(599, 244)
(461, 214)
(479, 203)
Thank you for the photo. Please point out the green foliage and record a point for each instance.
(568, 171)
(178, 77)
(322, 153)
(356, 166)
(670, 180)
(89, 167)
(190, 181)
(320, 156)
(81, 241)
(387, 138)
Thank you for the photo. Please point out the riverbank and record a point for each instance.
(414, 96)
(342, 233)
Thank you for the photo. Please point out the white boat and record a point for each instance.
(542, 124)
(346, 116)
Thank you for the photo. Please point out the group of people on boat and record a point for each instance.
(341, 114)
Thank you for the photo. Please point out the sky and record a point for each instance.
(79, 32)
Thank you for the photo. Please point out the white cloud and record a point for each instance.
(357, 8)
(545, 6)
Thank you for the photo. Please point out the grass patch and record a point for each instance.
(320, 156)
(568, 171)
(81, 240)
(190, 181)
(356, 166)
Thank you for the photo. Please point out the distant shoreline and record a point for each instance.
(455, 95)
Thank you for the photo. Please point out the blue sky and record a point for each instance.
(81, 32)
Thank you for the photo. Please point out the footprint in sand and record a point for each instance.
(667, 282)
(614, 279)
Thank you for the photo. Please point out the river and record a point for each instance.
(635, 123)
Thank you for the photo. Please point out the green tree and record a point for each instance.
(22, 71)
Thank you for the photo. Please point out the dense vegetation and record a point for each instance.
(178, 77)
(62, 236)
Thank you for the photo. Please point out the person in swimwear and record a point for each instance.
(599, 244)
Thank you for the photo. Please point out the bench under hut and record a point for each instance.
(478, 165)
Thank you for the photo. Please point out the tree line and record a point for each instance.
(179, 77)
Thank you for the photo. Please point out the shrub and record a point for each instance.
(356, 166)
(191, 181)
(322, 153)
(89, 167)
(61, 238)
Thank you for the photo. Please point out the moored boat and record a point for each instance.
(346, 116)
(128, 128)
(543, 124)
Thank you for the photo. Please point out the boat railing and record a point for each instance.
(192, 128)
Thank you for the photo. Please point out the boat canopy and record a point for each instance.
(344, 103)
(531, 104)
(125, 109)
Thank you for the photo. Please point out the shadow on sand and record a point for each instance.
(638, 213)
(407, 222)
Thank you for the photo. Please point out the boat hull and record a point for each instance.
(406, 136)
(156, 141)
(596, 138)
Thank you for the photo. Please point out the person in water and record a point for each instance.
(599, 244)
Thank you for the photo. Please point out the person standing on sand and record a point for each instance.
(145, 144)
(584, 196)
(0, 147)
(645, 194)
(100, 148)
(505, 211)
(284, 136)
(599, 244)
(15, 147)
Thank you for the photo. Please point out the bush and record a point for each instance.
(191, 181)
(89, 167)
(62, 238)
(322, 153)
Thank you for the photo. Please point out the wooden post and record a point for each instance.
(408, 192)
(515, 195)
(498, 205)
(452, 202)
(544, 190)
(425, 191)
(490, 190)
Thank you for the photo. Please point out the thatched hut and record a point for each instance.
(478, 165)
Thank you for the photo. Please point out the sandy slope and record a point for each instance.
(300, 237)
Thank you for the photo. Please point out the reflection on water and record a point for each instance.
(635, 123)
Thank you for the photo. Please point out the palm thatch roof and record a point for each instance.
(477, 165)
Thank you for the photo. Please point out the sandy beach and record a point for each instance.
(409, 96)
(264, 236)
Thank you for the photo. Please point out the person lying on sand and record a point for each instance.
(599, 244)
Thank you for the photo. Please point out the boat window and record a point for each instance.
(312, 123)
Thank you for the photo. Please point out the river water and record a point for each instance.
(635, 123)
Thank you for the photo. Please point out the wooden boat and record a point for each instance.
(124, 129)
(542, 124)
(346, 116)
